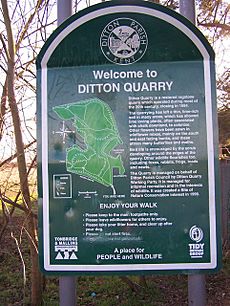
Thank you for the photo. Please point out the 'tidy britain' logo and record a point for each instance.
(196, 250)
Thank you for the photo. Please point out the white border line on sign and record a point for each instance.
(210, 145)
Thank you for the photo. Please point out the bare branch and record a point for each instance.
(12, 157)
(223, 26)
(16, 205)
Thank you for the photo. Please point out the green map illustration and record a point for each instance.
(95, 123)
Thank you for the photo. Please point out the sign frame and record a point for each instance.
(199, 41)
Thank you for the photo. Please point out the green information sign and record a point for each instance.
(128, 176)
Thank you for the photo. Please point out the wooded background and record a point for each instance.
(24, 27)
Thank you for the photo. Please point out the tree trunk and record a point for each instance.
(3, 108)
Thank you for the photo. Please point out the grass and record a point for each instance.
(112, 291)
(9, 182)
(105, 291)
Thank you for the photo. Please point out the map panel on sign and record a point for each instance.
(95, 161)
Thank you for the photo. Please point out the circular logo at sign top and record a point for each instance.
(123, 41)
(196, 233)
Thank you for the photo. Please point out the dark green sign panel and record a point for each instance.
(127, 140)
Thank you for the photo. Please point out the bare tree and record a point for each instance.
(25, 24)
(214, 21)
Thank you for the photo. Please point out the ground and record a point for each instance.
(170, 290)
